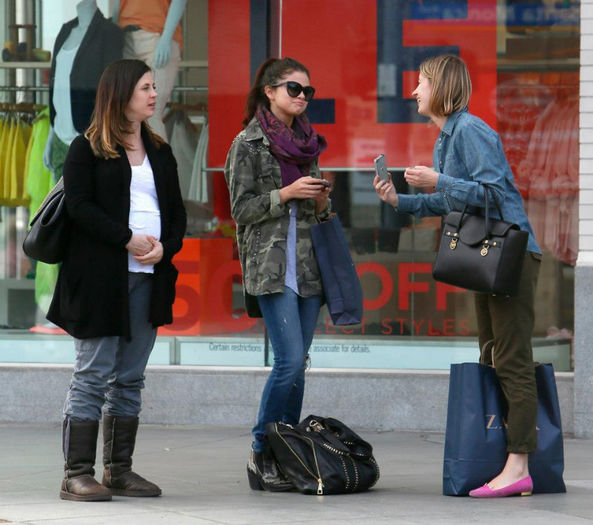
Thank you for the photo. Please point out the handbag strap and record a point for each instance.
(58, 188)
(487, 190)
(317, 430)
(321, 431)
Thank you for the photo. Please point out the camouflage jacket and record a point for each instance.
(253, 177)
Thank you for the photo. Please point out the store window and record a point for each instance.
(363, 57)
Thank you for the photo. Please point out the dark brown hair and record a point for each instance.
(270, 72)
(109, 124)
(451, 86)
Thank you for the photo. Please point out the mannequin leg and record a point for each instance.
(141, 45)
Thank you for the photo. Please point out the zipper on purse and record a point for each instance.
(318, 477)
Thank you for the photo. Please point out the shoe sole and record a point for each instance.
(135, 493)
(76, 497)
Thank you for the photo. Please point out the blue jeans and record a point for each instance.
(290, 320)
(109, 371)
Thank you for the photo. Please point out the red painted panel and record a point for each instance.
(339, 46)
(228, 83)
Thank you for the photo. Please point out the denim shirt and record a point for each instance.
(467, 153)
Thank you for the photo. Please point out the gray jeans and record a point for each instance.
(109, 371)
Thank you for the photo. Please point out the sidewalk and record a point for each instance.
(202, 473)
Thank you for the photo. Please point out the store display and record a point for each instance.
(532, 78)
(153, 34)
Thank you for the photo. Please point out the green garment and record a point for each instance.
(59, 150)
(39, 182)
(13, 145)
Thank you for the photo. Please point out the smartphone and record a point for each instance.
(381, 167)
(326, 183)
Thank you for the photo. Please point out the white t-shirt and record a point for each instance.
(145, 214)
(63, 121)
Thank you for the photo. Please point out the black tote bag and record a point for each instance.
(341, 285)
(475, 440)
(47, 239)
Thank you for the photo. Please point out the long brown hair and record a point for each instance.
(270, 72)
(109, 125)
(451, 86)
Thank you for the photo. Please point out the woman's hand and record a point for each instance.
(321, 199)
(304, 188)
(139, 244)
(154, 255)
(385, 190)
(421, 177)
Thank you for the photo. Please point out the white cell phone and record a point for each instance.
(381, 167)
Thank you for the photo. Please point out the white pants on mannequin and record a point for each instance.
(141, 44)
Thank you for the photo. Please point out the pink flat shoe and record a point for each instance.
(523, 487)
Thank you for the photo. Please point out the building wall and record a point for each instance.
(583, 375)
(414, 400)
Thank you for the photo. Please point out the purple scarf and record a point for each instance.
(294, 149)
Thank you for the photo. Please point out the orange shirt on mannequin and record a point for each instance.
(148, 15)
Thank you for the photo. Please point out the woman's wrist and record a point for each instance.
(320, 207)
(324, 212)
(284, 194)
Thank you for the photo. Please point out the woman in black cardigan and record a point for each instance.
(116, 284)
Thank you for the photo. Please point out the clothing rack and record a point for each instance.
(173, 106)
(46, 88)
(191, 88)
(24, 88)
(21, 107)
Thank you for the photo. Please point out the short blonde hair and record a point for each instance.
(451, 86)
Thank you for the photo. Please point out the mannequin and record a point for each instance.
(85, 10)
(153, 35)
(82, 50)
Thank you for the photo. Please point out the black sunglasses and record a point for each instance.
(294, 89)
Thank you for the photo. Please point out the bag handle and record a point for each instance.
(316, 428)
(487, 190)
(323, 432)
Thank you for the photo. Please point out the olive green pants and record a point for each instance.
(505, 326)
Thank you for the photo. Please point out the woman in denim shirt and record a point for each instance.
(467, 154)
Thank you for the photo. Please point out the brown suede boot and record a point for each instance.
(119, 438)
(79, 439)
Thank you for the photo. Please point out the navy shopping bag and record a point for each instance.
(341, 285)
(475, 440)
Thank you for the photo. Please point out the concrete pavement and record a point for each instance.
(201, 470)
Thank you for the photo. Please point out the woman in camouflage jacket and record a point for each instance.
(277, 193)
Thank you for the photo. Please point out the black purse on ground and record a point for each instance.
(480, 253)
(47, 239)
(323, 456)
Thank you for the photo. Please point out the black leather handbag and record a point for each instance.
(47, 239)
(480, 253)
(323, 456)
